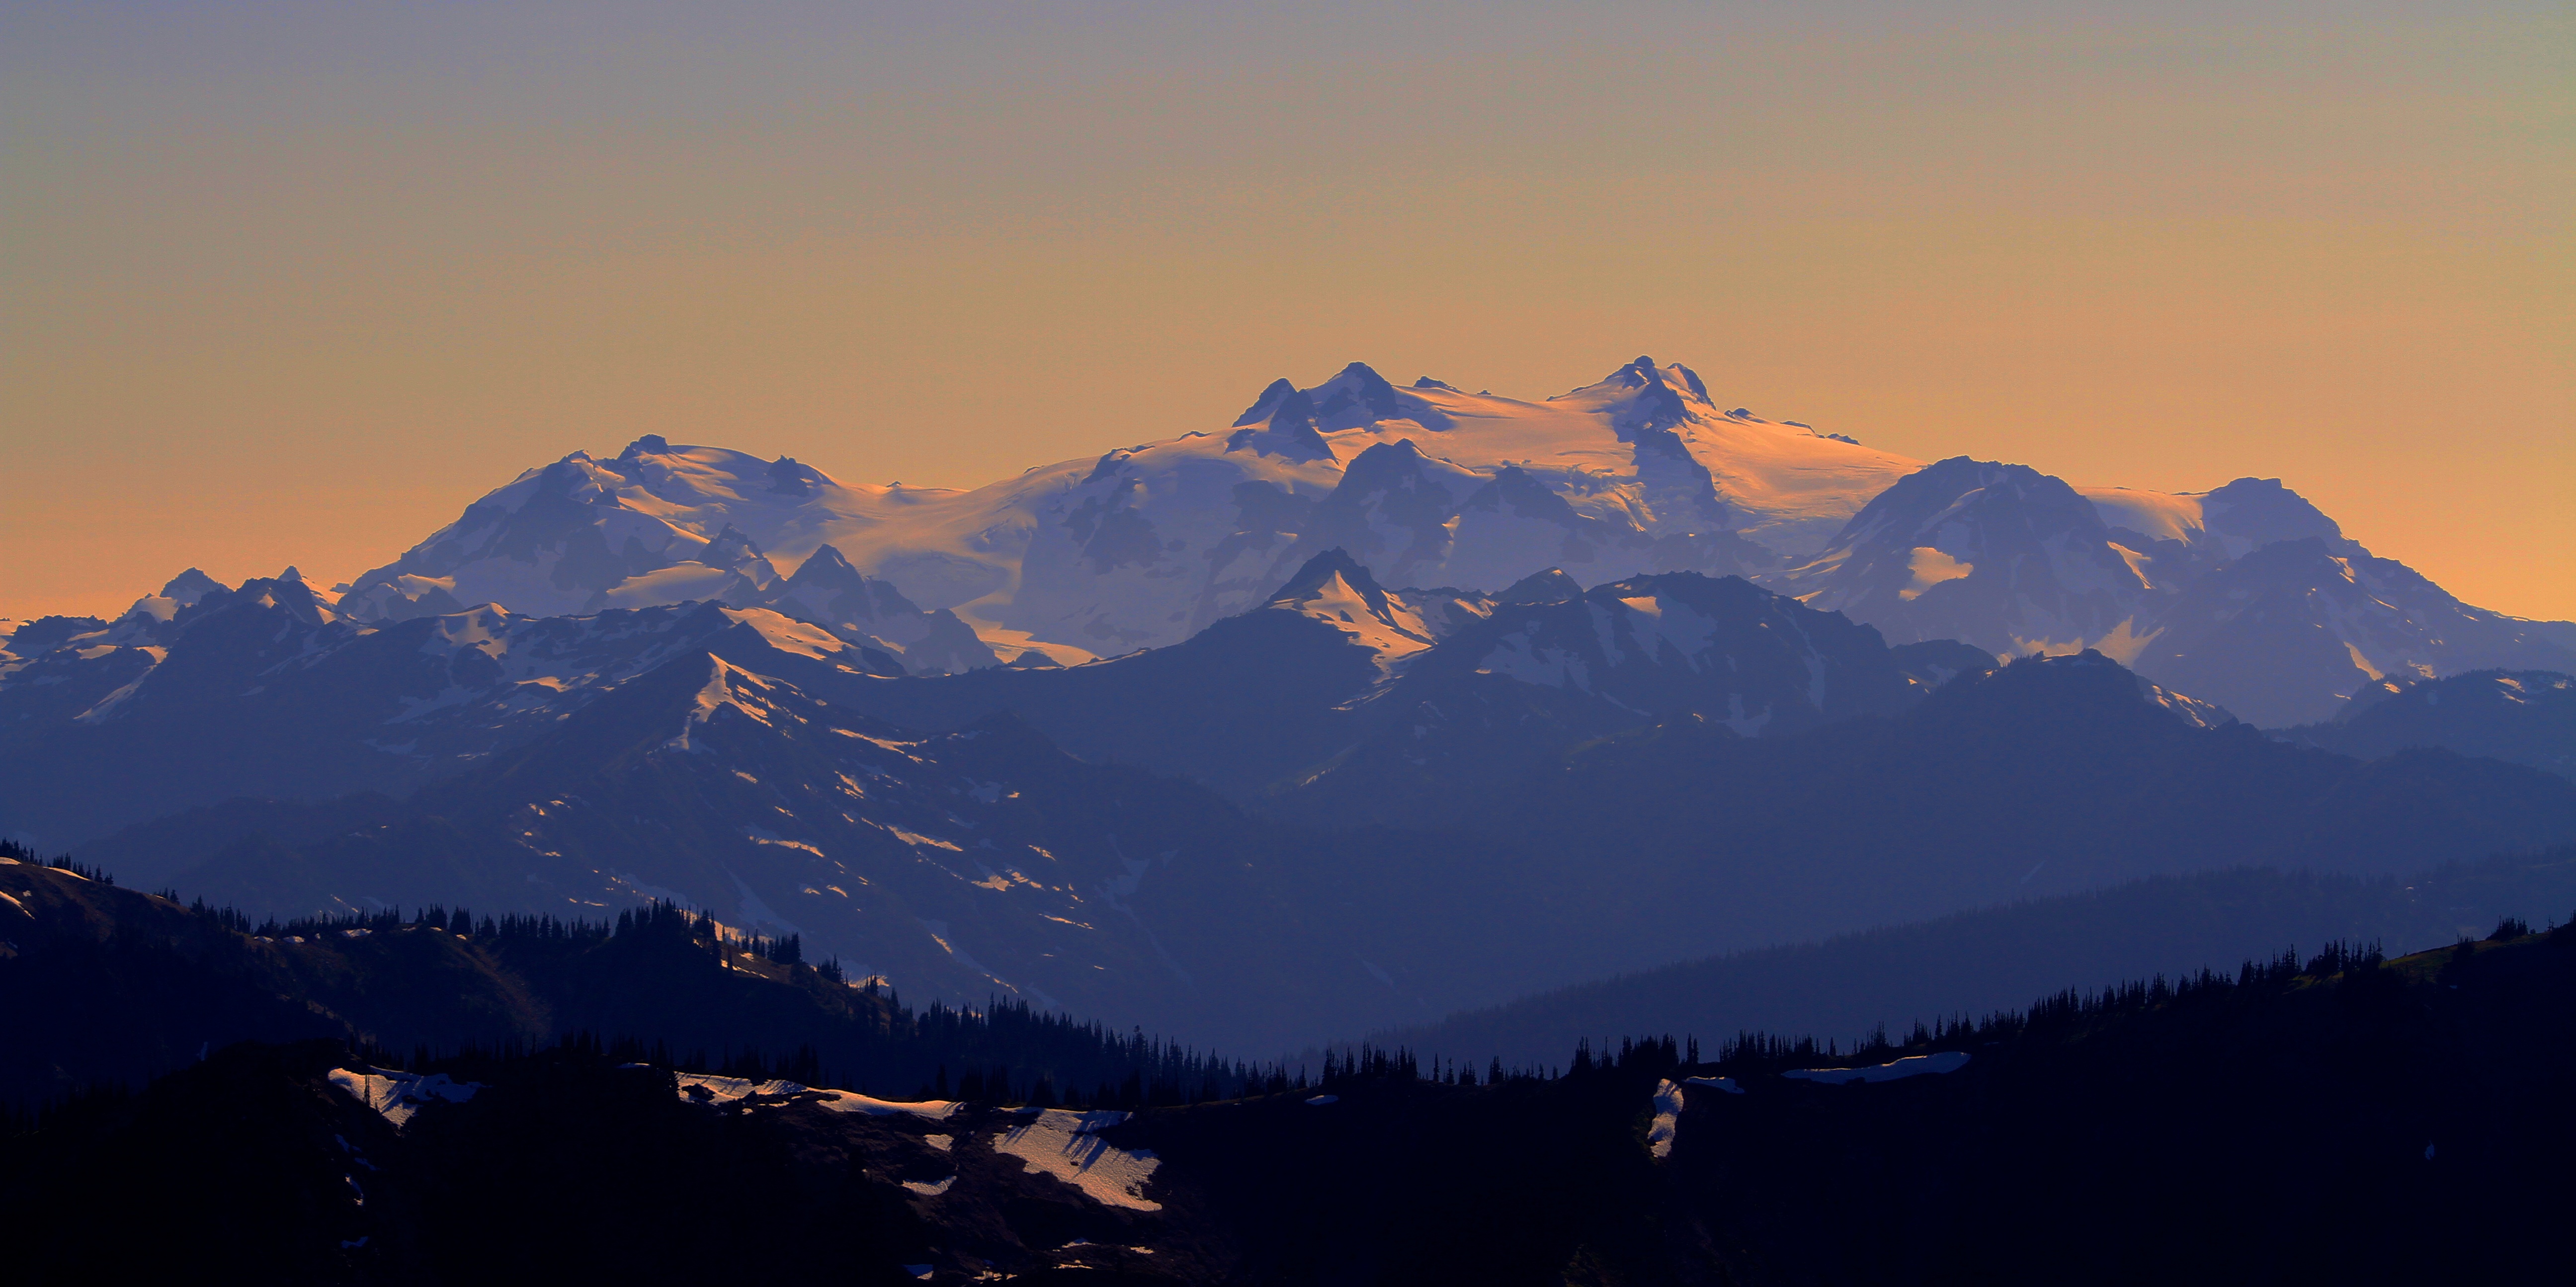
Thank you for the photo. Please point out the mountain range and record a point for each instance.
(1377, 703)
(1485, 833)
(687, 864)
(1427, 485)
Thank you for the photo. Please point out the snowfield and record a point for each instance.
(1062, 1143)
(704, 1088)
(396, 1096)
(1145, 545)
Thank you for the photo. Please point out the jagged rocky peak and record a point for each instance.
(828, 588)
(1283, 424)
(1267, 405)
(651, 444)
(1319, 572)
(291, 593)
(1551, 586)
(1642, 398)
(788, 478)
(47, 633)
(827, 569)
(1358, 396)
(2254, 512)
(1355, 397)
(1334, 588)
(1643, 373)
(190, 586)
(731, 548)
(1383, 463)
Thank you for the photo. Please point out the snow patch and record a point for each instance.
(1668, 1116)
(1930, 567)
(702, 1088)
(396, 1096)
(842, 1101)
(1064, 1144)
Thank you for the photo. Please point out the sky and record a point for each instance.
(296, 283)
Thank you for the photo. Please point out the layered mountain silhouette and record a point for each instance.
(2524, 717)
(1144, 546)
(2246, 596)
(265, 690)
(1596, 808)
(1427, 485)
(1376, 702)
(1893, 978)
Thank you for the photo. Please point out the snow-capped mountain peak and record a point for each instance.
(1642, 397)
(1282, 424)
(828, 592)
(1146, 544)
(1358, 397)
(2227, 523)
(185, 590)
(2001, 556)
(1335, 589)
(190, 586)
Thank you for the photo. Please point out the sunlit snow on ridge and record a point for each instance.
(1144, 545)
(1064, 1144)
(398, 1095)
(706, 1088)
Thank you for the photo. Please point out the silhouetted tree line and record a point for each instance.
(630, 976)
(2067, 1012)
(16, 852)
(2058, 1014)
(859, 1035)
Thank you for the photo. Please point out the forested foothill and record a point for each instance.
(2337, 1117)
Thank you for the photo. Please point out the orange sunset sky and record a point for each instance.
(295, 283)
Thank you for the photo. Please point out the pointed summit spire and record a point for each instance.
(827, 566)
(732, 547)
(1319, 572)
(1289, 429)
(1266, 405)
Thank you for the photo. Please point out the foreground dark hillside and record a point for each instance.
(106, 985)
(2339, 1120)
